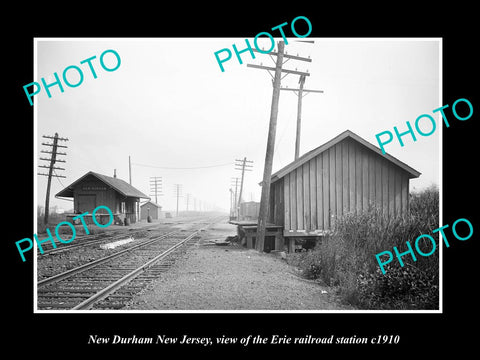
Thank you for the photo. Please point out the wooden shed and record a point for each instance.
(343, 175)
(151, 209)
(93, 189)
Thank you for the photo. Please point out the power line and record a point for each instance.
(183, 168)
(58, 178)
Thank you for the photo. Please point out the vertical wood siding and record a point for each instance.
(346, 177)
(90, 187)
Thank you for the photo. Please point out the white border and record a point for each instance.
(360, 311)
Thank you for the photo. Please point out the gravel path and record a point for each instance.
(211, 277)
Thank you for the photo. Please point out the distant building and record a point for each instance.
(249, 210)
(93, 189)
(151, 209)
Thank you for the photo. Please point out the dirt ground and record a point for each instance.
(212, 277)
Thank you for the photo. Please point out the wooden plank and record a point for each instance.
(300, 224)
(306, 196)
(398, 192)
(313, 193)
(345, 177)
(351, 177)
(338, 180)
(249, 237)
(384, 165)
(358, 178)
(391, 189)
(404, 194)
(378, 182)
(371, 177)
(279, 241)
(293, 200)
(277, 205)
(408, 196)
(365, 187)
(292, 233)
(326, 191)
(331, 173)
(319, 177)
(253, 228)
(271, 204)
(291, 245)
(280, 217)
(286, 191)
(274, 202)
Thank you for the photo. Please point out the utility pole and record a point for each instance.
(129, 170)
(242, 166)
(300, 92)
(235, 183)
(231, 203)
(188, 199)
(267, 172)
(51, 168)
(178, 190)
(156, 187)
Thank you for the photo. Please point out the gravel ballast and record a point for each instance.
(207, 276)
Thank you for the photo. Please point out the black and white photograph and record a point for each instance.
(236, 190)
(176, 153)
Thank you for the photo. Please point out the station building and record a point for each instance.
(94, 189)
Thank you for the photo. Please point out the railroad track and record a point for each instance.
(92, 239)
(109, 282)
(107, 236)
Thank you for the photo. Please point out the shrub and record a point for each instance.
(346, 259)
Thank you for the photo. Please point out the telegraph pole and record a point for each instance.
(231, 203)
(300, 92)
(242, 166)
(267, 172)
(129, 170)
(178, 190)
(51, 168)
(235, 183)
(156, 187)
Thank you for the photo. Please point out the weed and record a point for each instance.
(346, 259)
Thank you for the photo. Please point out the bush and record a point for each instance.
(346, 259)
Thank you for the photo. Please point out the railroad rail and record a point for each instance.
(111, 281)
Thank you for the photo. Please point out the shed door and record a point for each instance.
(86, 203)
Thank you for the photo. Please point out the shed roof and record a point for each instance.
(151, 203)
(412, 173)
(117, 184)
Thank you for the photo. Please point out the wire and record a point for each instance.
(183, 168)
(58, 178)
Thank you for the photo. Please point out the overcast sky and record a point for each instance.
(171, 109)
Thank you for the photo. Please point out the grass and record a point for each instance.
(55, 219)
(346, 259)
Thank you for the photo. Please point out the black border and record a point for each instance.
(420, 333)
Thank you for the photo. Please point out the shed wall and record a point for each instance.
(347, 177)
(154, 211)
(91, 193)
